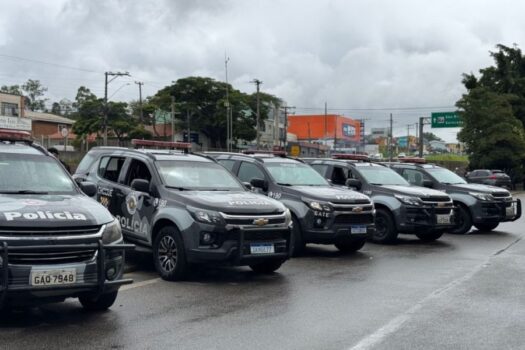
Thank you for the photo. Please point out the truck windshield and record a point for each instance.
(445, 176)
(295, 174)
(378, 175)
(33, 174)
(198, 176)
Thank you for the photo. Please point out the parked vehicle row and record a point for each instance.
(185, 209)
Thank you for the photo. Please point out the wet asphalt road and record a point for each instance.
(461, 292)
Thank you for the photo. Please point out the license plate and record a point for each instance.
(53, 277)
(262, 248)
(358, 229)
(443, 219)
(510, 211)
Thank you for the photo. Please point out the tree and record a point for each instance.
(429, 136)
(13, 89)
(55, 108)
(33, 91)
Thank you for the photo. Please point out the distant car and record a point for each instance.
(489, 177)
(401, 155)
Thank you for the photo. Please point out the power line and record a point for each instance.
(377, 109)
(49, 63)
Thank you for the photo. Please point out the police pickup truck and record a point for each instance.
(483, 206)
(400, 207)
(321, 213)
(186, 208)
(55, 241)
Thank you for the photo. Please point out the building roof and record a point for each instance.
(48, 117)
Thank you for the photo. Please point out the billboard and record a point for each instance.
(348, 130)
(379, 132)
(324, 127)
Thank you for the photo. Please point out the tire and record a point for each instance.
(464, 221)
(298, 243)
(350, 245)
(486, 227)
(267, 267)
(429, 237)
(169, 254)
(386, 231)
(102, 303)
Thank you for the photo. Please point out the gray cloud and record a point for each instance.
(358, 54)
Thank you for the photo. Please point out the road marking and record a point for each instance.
(140, 284)
(396, 323)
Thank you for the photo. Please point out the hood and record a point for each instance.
(329, 193)
(51, 211)
(479, 188)
(415, 191)
(241, 202)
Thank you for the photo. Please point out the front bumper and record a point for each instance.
(414, 219)
(496, 211)
(234, 244)
(15, 284)
(328, 229)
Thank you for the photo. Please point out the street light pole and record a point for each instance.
(229, 127)
(286, 108)
(258, 83)
(139, 83)
(106, 82)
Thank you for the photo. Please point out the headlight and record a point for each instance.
(408, 200)
(206, 216)
(112, 232)
(288, 218)
(319, 206)
(482, 196)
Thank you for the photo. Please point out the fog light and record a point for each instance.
(1, 262)
(111, 273)
(319, 222)
(207, 238)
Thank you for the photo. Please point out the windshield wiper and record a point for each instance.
(180, 188)
(24, 192)
(284, 184)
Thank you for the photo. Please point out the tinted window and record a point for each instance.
(320, 168)
(249, 171)
(228, 164)
(109, 168)
(339, 175)
(137, 170)
(33, 173)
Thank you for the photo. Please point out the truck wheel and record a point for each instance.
(350, 245)
(169, 254)
(430, 236)
(298, 244)
(100, 303)
(464, 221)
(267, 267)
(386, 232)
(486, 227)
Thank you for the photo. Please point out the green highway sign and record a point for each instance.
(446, 120)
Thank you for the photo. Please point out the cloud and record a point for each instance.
(353, 55)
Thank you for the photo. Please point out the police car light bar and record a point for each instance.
(362, 157)
(275, 153)
(161, 144)
(417, 160)
(15, 135)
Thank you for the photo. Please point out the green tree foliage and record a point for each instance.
(13, 89)
(33, 91)
(55, 108)
(429, 136)
(203, 100)
(493, 113)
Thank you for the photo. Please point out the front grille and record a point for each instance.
(435, 199)
(349, 219)
(250, 221)
(355, 201)
(48, 232)
(34, 257)
(349, 207)
(500, 194)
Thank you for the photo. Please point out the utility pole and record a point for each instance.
(258, 83)
(422, 122)
(390, 138)
(115, 75)
(409, 126)
(286, 108)
(325, 120)
(188, 122)
(173, 117)
(229, 127)
(139, 83)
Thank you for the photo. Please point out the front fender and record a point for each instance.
(391, 203)
(299, 209)
(179, 216)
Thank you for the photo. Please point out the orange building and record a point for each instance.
(320, 126)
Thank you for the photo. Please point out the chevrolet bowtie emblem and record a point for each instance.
(357, 209)
(261, 222)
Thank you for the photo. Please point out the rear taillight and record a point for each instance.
(492, 177)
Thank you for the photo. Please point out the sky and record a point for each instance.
(365, 59)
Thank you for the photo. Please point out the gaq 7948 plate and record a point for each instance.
(40, 278)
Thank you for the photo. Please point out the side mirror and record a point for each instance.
(354, 183)
(428, 183)
(259, 183)
(247, 186)
(140, 185)
(89, 188)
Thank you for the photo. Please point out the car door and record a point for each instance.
(109, 191)
(137, 208)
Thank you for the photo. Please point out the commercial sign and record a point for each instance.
(348, 130)
(379, 132)
(15, 123)
(295, 151)
(446, 120)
